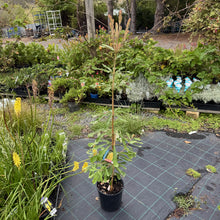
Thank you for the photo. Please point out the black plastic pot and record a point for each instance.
(73, 107)
(111, 202)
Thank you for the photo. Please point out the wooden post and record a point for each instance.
(90, 18)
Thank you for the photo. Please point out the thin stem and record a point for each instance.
(113, 119)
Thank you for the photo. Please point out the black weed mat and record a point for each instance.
(186, 135)
(154, 177)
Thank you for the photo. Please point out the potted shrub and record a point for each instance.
(75, 94)
(107, 163)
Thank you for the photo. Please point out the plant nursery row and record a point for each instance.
(145, 72)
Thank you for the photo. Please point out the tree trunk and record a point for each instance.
(78, 17)
(90, 18)
(128, 9)
(158, 16)
(110, 12)
(133, 16)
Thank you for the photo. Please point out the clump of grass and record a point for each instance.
(125, 123)
(75, 130)
(184, 203)
(193, 173)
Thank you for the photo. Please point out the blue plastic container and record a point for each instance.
(94, 96)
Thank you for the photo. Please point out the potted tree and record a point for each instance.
(109, 152)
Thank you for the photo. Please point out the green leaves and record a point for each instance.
(101, 170)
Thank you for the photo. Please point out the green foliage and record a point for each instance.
(101, 170)
(193, 173)
(12, 15)
(24, 76)
(156, 123)
(210, 168)
(144, 22)
(204, 19)
(75, 130)
(75, 54)
(74, 95)
(26, 121)
(63, 84)
(184, 202)
(18, 55)
(177, 120)
(35, 171)
(125, 123)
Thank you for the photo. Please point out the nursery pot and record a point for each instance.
(110, 202)
(73, 106)
(93, 96)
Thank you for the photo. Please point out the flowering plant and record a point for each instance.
(93, 85)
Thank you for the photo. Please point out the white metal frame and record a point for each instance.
(54, 20)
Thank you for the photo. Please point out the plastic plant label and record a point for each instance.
(53, 212)
(170, 83)
(188, 83)
(192, 132)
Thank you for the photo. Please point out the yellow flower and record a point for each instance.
(17, 106)
(84, 166)
(76, 166)
(162, 66)
(110, 156)
(94, 152)
(16, 159)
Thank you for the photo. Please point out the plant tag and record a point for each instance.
(53, 212)
(105, 155)
(109, 187)
(48, 205)
(192, 132)
(109, 161)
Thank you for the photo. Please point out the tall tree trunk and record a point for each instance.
(90, 18)
(133, 16)
(110, 12)
(78, 17)
(128, 9)
(158, 16)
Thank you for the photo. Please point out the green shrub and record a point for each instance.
(18, 55)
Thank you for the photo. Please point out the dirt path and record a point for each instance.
(168, 41)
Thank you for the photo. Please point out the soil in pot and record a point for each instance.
(110, 201)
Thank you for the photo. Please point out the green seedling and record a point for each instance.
(184, 202)
(193, 173)
(210, 169)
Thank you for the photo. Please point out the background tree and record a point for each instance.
(12, 15)
(145, 15)
(90, 18)
(110, 12)
(133, 16)
(158, 16)
(204, 19)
